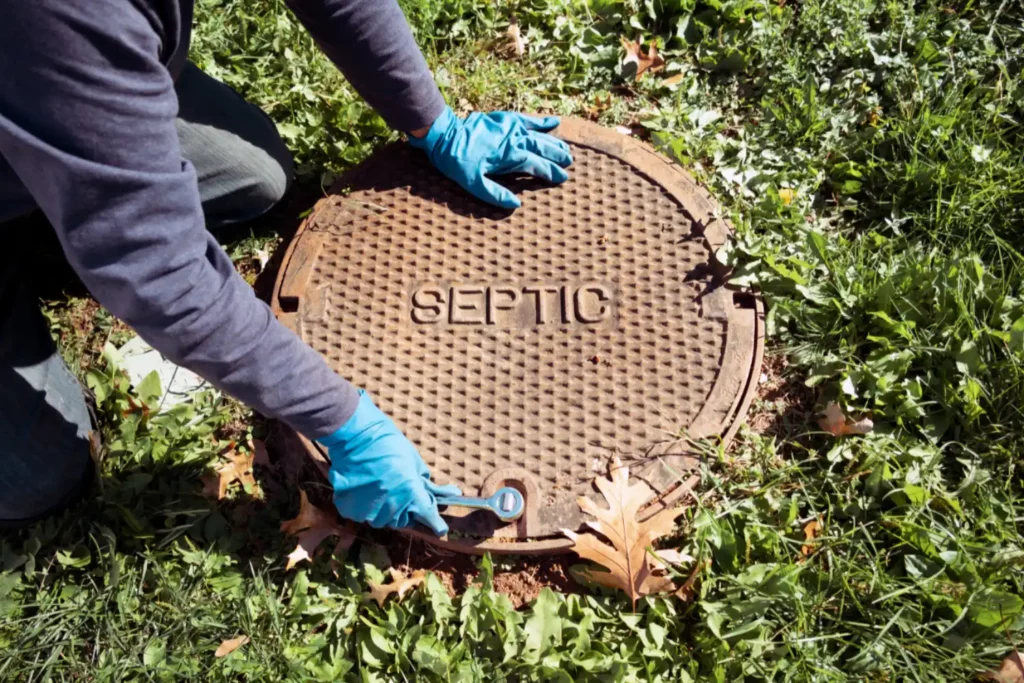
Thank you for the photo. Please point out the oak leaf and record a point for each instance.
(1010, 671)
(631, 567)
(400, 585)
(229, 646)
(311, 527)
(644, 62)
(237, 468)
(836, 423)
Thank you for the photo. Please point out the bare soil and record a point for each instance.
(520, 578)
(784, 405)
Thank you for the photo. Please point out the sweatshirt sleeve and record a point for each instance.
(370, 42)
(87, 114)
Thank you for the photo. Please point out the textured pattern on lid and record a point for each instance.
(547, 339)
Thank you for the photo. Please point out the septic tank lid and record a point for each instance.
(526, 349)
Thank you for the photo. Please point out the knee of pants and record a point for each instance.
(270, 178)
(239, 179)
(242, 165)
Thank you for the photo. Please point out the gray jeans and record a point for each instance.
(243, 168)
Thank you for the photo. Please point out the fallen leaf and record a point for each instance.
(811, 531)
(515, 38)
(650, 61)
(95, 446)
(837, 424)
(1010, 671)
(599, 106)
(400, 585)
(787, 194)
(237, 468)
(631, 569)
(310, 516)
(673, 81)
(311, 527)
(229, 646)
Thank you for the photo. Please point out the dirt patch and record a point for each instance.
(784, 405)
(520, 578)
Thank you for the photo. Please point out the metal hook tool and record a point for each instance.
(507, 503)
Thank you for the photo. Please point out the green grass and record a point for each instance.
(871, 156)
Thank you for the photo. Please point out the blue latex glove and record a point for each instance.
(468, 150)
(377, 475)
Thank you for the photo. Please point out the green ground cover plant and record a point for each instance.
(870, 154)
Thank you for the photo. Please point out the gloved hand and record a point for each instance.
(377, 475)
(468, 150)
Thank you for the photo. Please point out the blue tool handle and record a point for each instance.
(507, 503)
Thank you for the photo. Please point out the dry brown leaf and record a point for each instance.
(311, 526)
(599, 106)
(229, 646)
(95, 446)
(650, 61)
(673, 80)
(811, 531)
(836, 423)
(515, 39)
(237, 468)
(631, 569)
(400, 585)
(1010, 671)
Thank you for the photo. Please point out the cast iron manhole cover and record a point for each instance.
(527, 349)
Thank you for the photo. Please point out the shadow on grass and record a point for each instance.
(149, 508)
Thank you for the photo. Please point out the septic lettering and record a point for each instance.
(500, 305)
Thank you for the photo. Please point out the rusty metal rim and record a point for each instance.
(750, 390)
(539, 546)
(302, 251)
